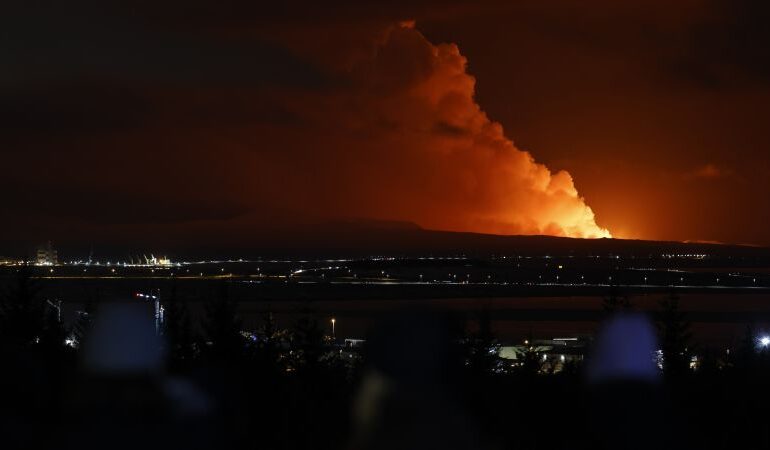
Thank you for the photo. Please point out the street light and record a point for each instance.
(334, 321)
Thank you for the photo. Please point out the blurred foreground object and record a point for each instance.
(624, 351)
(405, 400)
(625, 398)
(123, 342)
(123, 399)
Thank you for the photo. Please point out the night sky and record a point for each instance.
(195, 122)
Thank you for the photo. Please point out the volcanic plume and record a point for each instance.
(288, 129)
(404, 138)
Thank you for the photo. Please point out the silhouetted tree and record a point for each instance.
(186, 345)
(177, 328)
(317, 386)
(172, 316)
(571, 367)
(530, 361)
(21, 311)
(482, 347)
(745, 357)
(83, 322)
(222, 327)
(270, 342)
(674, 332)
(307, 344)
(53, 334)
(709, 362)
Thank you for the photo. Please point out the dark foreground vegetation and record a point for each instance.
(111, 380)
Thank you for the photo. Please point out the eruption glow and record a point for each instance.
(408, 135)
(377, 124)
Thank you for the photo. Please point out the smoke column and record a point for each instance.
(407, 141)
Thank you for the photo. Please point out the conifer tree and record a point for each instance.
(21, 311)
(674, 332)
(222, 327)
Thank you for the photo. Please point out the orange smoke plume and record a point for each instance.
(413, 144)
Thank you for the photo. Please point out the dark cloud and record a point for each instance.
(71, 109)
(88, 205)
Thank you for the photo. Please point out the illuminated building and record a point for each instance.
(4, 261)
(553, 354)
(47, 255)
(153, 261)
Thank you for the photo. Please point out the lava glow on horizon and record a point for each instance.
(456, 168)
(382, 123)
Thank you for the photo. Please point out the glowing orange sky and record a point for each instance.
(645, 119)
(430, 154)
